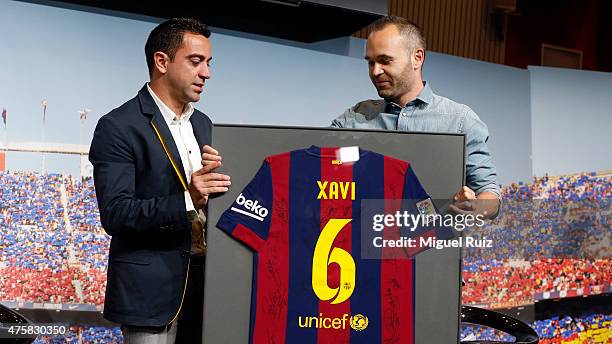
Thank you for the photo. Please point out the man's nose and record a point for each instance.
(204, 72)
(377, 70)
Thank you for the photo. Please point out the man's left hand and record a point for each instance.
(210, 156)
(211, 182)
(466, 202)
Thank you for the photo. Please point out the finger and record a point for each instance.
(460, 193)
(203, 184)
(457, 210)
(460, 196)
(212, 190)
(465, 205)
(463, 195)
(456, 196)
(469, 192)
(209, 162)
(208, 149)
(207, 168)
(210, 157)
(214, 176)
(207, 184)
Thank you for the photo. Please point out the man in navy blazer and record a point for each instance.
(152, 190)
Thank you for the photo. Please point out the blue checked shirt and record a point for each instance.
(430, 112)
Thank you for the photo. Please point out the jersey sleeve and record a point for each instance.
(413, 189)
(419, 202)
(248, 218)
(416, 200)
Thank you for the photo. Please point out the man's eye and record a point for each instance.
(195, 61)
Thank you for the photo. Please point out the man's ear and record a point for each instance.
(418, 58)
(160, 61)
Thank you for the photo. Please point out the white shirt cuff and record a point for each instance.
(188, 202)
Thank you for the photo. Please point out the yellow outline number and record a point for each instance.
(324, 256)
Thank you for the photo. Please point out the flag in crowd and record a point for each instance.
(44, 108)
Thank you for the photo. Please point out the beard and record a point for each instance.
(395, 90)
(387, 93)
(397, 87)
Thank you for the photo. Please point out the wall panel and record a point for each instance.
(463, 28)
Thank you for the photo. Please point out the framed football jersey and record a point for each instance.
(289, 267)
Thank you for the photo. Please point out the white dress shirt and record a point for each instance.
(182, 133)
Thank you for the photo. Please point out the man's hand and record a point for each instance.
(462, 201)
(205, 181)
(210, 156)
(466, 202)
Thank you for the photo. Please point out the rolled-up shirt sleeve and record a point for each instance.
(480, 172)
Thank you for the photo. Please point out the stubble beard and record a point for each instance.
(397, 90)
(399, 86)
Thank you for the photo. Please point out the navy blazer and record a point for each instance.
(142, 206)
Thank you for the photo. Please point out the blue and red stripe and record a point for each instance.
(272, 265)
(304, 214)
(369, 176)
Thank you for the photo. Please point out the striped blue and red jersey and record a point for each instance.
(300, 214)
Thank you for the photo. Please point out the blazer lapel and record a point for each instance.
(199, 131)
(150, 108)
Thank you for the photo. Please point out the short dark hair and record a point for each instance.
(408, 29)
(168, 37)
